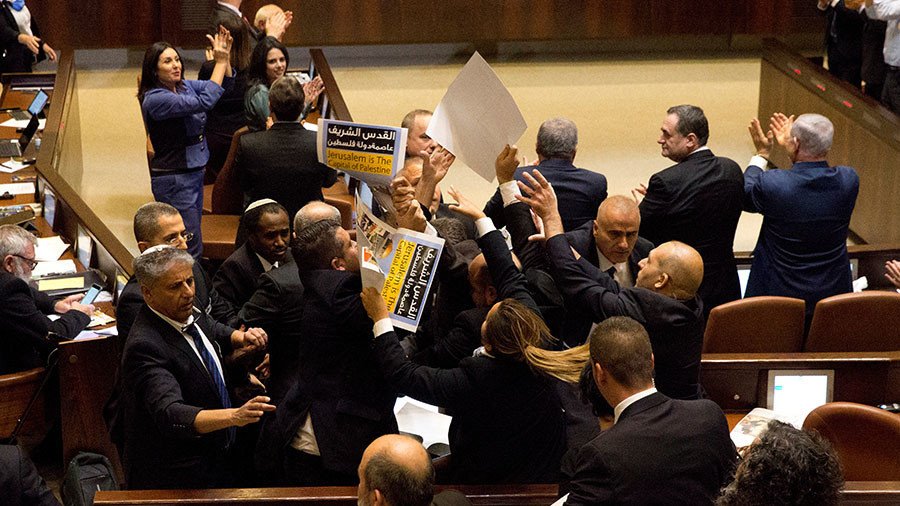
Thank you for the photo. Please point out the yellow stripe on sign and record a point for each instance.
(369, 163)
(393, 282)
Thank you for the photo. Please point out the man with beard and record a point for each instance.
(28, 335)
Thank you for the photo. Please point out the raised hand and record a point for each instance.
(762, 141)
(465, 206)
(506, 164)
(312, 90)
(538, 193)
(780, 125)
(892, 272)
(436, 165)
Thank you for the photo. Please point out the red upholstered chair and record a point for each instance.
(852, 322)
(865, 438)
(756, 325)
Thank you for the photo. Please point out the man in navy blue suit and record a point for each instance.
(802, 246)
(580, 191)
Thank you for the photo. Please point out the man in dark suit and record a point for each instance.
(158, 223)
(580, 190)
(696, 201)
(339, 402)
(281, 163)
(844, 38)
(28, 336)
(660, 450)
(272, 22)
(178, 419)
(277, 307)
(20, 483)
(664, 298)
(802, 246)
(397, 470)
(268, 233)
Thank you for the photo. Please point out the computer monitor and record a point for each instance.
(37, 105)
(794, 393)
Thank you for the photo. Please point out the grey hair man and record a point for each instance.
(627, 464)
(696, 201)
(173, 382)
(28, 335)
(580, 190)
(802, 246)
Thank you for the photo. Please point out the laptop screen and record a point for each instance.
(37, 105)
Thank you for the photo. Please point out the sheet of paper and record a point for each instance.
(49, 249)
(312, 127)
(422, 420)
(53, 267)
(477, 117)
(60, 283)
(17, 188)
(11, 166)
(86, 334)
(22, 123)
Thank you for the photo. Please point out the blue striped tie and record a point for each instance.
(213, 371)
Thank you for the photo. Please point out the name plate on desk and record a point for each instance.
(69, 284)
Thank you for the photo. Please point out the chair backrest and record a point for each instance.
(865, 438)
(227, 197)
(865, 321)
(756, 325)
(339, 196)
(16, 390)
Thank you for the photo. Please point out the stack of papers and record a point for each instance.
(49, 249)
(423, 420)
(17, 188)
(11, 166)
(22, 123)
(54, 267)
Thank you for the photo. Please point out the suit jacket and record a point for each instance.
(24, 342)
(277, 307)
(579, 192)
(281, 164)
(338, 383)
(464, 336)
(675, 327)
(164, 386)
(661, 451)
(221, 13)
(235, 282)
(508, 425)
(14, 56)
(131, 300)
(698, 202)
(20, 483)
(802, 246)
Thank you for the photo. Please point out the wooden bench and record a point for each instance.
(854, 493)
(481, 495)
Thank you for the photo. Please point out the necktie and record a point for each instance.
(213, 371)
(611, 272)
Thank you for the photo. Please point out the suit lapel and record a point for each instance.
(174, 339)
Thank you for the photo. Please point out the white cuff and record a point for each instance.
(508, 191)
(382, 326)
(430, 230)
(483, 226)
(759, 161)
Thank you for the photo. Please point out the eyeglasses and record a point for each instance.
(185, 236)
(31, 262)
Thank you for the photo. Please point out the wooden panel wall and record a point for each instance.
(118, 23)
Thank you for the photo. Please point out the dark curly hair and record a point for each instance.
(786, 467)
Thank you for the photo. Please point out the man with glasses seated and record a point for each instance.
(27, 334)
(155, 224)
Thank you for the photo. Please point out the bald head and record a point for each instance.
(616, 227)
(673, 268)
(264, 13)
(313, 212)
(397, 471)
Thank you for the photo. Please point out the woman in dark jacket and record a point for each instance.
(20, 39)
(508, 425)
(174, 111)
